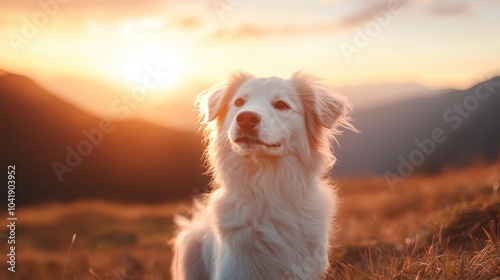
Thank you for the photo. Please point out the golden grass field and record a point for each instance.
(440, 227)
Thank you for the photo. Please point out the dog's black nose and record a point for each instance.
(247, 120)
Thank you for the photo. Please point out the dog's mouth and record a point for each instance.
(249, 140)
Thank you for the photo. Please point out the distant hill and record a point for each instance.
(142, 162)
(136, 162)
(377, 95)
(390, 131)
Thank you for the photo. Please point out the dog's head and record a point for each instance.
(273, 117)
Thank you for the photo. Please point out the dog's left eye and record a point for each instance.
(239, 102)
(280, 105)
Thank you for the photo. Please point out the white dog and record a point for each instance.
(270, 213)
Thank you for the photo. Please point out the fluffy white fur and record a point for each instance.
(270, 213)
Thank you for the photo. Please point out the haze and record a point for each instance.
(93, 52)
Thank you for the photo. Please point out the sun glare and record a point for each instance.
(154, 68)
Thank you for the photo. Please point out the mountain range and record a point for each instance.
(63, 153)
(47, 139)
(469, 119)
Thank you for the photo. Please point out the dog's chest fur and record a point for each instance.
(269, 225)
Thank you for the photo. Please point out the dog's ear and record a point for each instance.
(214, 104)
(210, 102)
(327, 108)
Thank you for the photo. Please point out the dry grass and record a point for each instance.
(461, 244)
(441, 227)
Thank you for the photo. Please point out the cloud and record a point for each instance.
(457, 9)
(99, 16)
(358, 18)
(105, 10)
(364, 15)
(367, 14)
(80, 4)
(190, 22)
(249, 30)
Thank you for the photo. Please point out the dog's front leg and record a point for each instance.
(227, 266)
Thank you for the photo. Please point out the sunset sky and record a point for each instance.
(112, 43)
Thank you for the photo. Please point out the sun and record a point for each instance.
(156, 69)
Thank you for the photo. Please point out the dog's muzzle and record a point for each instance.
(247, 132)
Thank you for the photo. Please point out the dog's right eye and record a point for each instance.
(280, 105)
(239, 102)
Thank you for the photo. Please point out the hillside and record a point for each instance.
(142, 162)
(390, 131)
(442, 227)
(133, 161)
